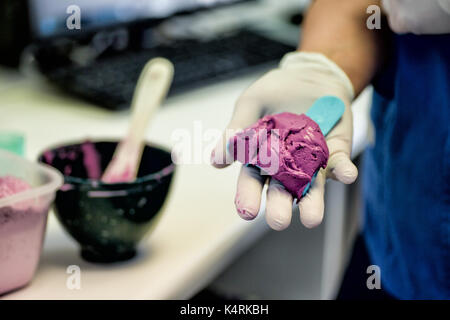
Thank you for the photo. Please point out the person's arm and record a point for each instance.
(338, 30)
(338, 57)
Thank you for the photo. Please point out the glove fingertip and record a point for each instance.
(345, 171)
(311, 215)
(276, 224)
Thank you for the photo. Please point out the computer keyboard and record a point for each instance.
(110, 81)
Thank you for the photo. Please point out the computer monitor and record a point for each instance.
(48, 17)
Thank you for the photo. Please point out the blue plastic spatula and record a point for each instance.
(326, 112)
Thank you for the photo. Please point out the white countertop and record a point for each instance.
(199, 233)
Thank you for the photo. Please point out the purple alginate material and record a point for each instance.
(300, 149)
(91, 159)
(10, 185)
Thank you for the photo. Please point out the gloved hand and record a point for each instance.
(418, 16)
(300, 79)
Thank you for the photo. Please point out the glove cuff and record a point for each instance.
(319, 62)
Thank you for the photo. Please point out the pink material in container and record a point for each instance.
(27, 190)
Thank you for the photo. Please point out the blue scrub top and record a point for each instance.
(407, 172)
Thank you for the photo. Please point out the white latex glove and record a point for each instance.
(418, 16)
(300, 79)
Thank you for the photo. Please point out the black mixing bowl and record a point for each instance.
(108, 220)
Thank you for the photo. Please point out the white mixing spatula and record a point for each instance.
(151, 90)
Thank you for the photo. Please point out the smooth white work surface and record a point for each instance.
(199, 233)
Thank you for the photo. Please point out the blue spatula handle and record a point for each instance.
(326, 112)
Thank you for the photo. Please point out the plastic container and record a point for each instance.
(23, 218)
